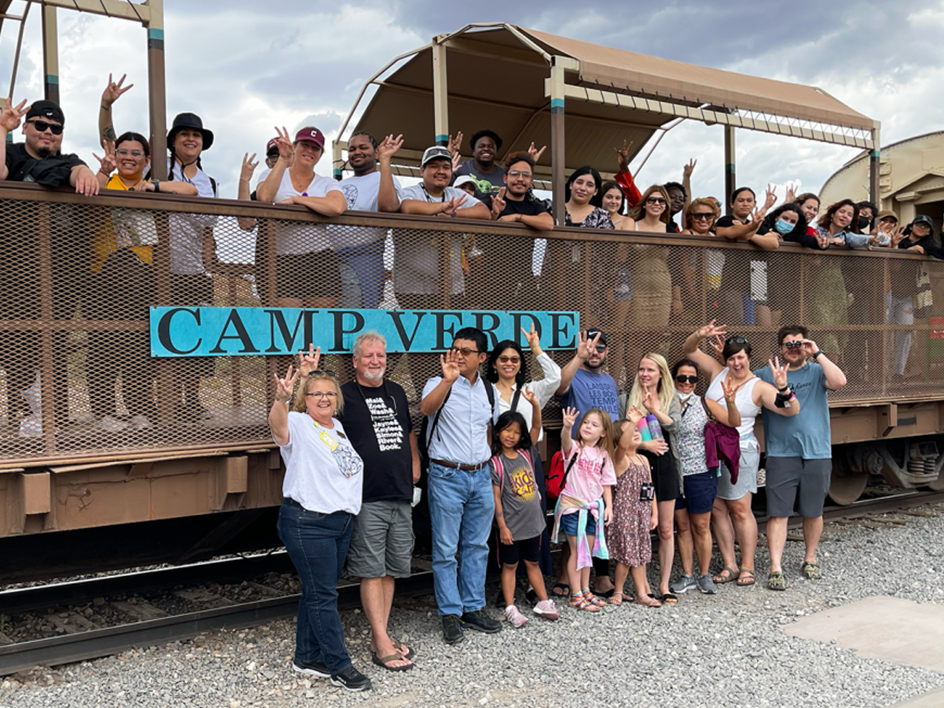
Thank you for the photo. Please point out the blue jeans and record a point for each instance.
(461, 508)
(317, 544)
(362, 275)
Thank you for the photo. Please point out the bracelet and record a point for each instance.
(816, 354)
(243, 179)
(785, 388)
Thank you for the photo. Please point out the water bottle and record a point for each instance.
(655, 430)
(644, 430)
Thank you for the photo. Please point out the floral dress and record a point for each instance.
(628, 534)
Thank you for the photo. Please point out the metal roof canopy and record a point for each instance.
(518, 81)
(150, 13)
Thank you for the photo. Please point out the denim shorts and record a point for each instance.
(568, 524)
(700, 492)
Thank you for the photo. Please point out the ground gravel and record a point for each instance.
(726, 650)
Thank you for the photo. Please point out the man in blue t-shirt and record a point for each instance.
(799, 450)
(584, 386)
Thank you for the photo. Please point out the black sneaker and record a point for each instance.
(351, 679)
(311, 668)
(452, 629)
(480, 622)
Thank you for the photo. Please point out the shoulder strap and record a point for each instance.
(432, 427)
(489, 391)
(500, 470)
(213, 186)
(515, 399)
(704, 404)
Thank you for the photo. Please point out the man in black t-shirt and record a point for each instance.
(376, 419)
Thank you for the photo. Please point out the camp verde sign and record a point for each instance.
(263, 331)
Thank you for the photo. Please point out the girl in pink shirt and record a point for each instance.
(585, 502)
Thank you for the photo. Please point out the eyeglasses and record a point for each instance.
(655, 200)
(705, 217)
(681, 378)
(735, 340)
(136, 154)
(797, 344)
(509, 359)
(465, 351)
(323, 394)
(42, 126)
(519, 173)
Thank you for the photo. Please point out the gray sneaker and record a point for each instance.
(706, 584)
(683, 585)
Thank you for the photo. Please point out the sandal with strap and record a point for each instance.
(579, 601)
(742, 581)
(598, 601)
(776, 581)
(615, 599)
(560, 590)
(652, 601)
(721, 578)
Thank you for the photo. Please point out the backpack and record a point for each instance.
(557, 475)
(500, 468)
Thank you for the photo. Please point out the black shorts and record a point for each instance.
(303, 275)
(664, 475)
(528, 550)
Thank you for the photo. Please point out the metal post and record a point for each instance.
(440, 95)
(558, 147)
(51, 53)
(337, 158)
(730, 167)
(875, 164)
(157, 97)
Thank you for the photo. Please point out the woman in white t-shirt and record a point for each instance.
(322, 492)
(308, 272)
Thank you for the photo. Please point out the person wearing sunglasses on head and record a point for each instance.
(699, 481)
(799, 450)
(322, 490)
(460, 407)
(733, 502)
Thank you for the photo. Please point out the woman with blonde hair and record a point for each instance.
(654, 394)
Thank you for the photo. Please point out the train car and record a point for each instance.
(184, 466)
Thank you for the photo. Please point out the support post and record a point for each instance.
(558, 145)
(337, 157)
(730, 167)
(875, 164)
(157, 95)
(440, 95)
(51, 53)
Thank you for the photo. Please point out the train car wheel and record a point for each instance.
(846, 485)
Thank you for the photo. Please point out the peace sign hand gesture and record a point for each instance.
(285, 386)
(570, 417)
(779, 372)
(450, 206)
(533, 339)
(113, 91)
(249, 166)
(498, 203)
(450, 365)
(108, 162)
(689, 168)
(11, 116)
(730, 390)
(712, 330)
(585, 348)
(309, 362)
(284, 141)
(622, 156)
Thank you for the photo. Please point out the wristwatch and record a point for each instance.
(157, 185)
(816, 354)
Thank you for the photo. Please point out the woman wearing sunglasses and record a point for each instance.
(699, 484)
(322, 492)
(733, 502)
(700, 220)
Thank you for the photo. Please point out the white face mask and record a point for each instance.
(685, 396)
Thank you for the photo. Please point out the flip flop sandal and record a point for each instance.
(669, 599)
(605, 595)
(384, 661)
(564, 590)
(580, 602)
(721, 579)
(776, 581)
(615, 599)
(409, 652)
(749, 580)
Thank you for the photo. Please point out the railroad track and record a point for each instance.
(146, 624)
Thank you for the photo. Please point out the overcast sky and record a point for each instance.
(246, 66)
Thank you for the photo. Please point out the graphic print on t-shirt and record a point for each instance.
(350, 193)
(522, 483)
(387, 428)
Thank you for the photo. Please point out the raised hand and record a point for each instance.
(455, 144)
(689, 168)
(823, 241)
(11, 116)
(730, 390)
(456, 161)
(108, 162)
(113, 91)
(308, 362)
(536, 154)
(498, 203)
(586, 347)
(529, 395)
(285, 387)
(712, 330)
(810, 347)
(897, 236)
(622, 156)
(389, 147)
(249, 166)
(650, 400)
(570, 417)
(533, 339)
(449, 206)
(450, 365)
(771, 197)
(790, 196)
(779, 372)
(284, 141)
(634, 415)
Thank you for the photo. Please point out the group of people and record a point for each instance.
(657, 456)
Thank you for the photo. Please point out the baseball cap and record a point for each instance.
(923, 219)
(887, 214)
(465, 179)
(593, 332)
(46, 109)
(272, 146)
(436, 152)
(312, 135)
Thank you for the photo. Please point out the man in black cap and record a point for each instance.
(38, 159)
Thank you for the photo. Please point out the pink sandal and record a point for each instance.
(579, 601)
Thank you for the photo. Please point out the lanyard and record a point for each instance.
(326, 437)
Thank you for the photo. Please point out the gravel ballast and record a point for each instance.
(722, 650)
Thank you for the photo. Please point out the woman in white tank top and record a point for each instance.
(733, 502)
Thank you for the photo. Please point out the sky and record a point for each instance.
(245, 67)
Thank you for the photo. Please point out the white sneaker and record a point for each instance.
(514, 617)
(111, 425)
